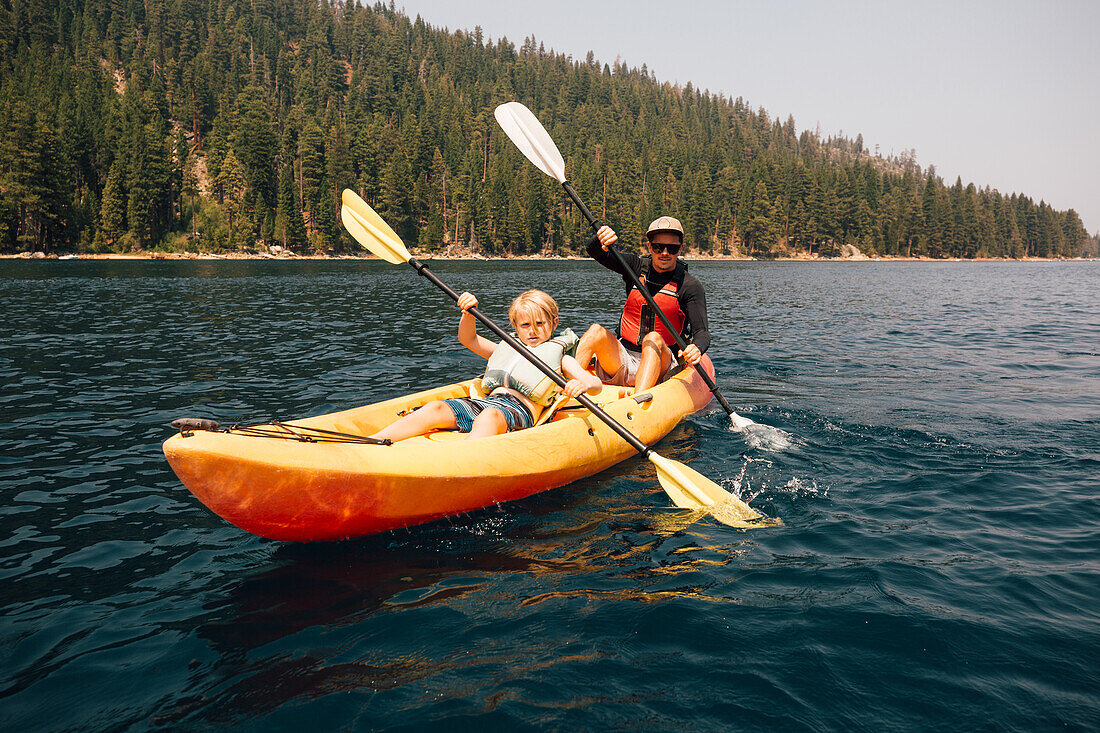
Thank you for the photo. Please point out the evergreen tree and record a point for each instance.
(231, 188)
(46, 197)
(311, 153)
(254, 143)
(347, 94)
(112, 212)
(32, 178)
(393, 204)
(435, 230)
(149, 192)
(290, 230)
(189, 186)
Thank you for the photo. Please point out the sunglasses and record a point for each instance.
(670, 248)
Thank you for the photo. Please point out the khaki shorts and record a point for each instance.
(628, 369)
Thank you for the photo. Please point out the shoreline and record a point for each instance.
(424, 256)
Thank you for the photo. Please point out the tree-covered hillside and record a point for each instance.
(217, 124)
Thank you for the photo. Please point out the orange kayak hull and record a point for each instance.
(311, 491)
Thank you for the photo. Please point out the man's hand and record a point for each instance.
(607, 236)
(691, 354)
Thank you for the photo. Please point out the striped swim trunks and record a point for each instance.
(466, 409)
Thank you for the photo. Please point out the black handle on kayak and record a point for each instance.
(680, 343)
(558, 379)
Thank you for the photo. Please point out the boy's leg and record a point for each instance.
(490, 422)
(435, 415)
(502, 413)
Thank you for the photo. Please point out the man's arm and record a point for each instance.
(694, 303)
(608, 260)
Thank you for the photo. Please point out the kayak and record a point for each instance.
(314, 479)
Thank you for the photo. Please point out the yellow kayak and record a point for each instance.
(310, 480)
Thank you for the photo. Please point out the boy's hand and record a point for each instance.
(466, 301)
(607, 236)
(573, 388)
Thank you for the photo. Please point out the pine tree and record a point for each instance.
(149, 192)
(757, 230)
(344, 92)
(289, 227)
(47, 199)
(112, 212)
(393, 204)
(189, 187)
(865, 226)
(436, 230)
(311, 152)
(231, 188)
(254, 143)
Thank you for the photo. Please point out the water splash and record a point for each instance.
(797, 487)
(760, 436)
(733, 512)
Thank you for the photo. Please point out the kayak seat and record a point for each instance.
(443, 436)
(609, 394)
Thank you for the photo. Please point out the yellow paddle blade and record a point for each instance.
(690, 489)
(369, 230)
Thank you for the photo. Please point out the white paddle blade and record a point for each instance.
(370, 230)
(690, 489)
(739, 422)
(525, 130)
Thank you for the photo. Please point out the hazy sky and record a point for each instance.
(1003, 93)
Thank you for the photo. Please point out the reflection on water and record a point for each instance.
(338, 584)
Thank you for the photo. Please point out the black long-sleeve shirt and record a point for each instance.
(692, 299)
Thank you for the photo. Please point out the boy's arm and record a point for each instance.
(467, 329)
(580, 380)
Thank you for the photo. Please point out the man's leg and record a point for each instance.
(655, 361)
(599, 342)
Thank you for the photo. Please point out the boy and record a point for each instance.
(516, 389)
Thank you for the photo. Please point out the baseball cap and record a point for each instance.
(665, 224)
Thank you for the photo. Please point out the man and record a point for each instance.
(638, 354)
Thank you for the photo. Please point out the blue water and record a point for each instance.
(938, 568)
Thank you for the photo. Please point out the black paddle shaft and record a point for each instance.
(680, 343)
(558, 379)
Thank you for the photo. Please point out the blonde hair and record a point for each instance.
(532, 303)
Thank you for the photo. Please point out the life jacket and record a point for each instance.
(638, 318)
(508, 368)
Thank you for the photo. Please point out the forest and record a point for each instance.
(233, 125)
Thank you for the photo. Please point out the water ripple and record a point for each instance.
(938, 490)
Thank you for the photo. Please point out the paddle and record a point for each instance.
(686, 487)
(525, 130)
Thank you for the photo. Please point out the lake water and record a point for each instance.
(938, 569)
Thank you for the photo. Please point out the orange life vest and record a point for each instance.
(638, 318)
